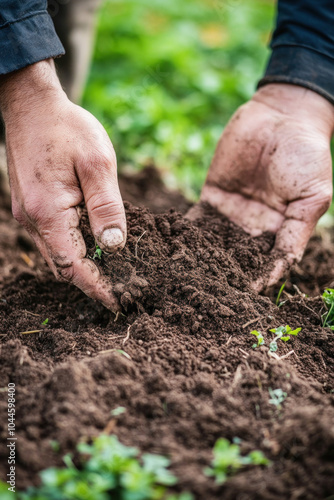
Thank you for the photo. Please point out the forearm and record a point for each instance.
(303, 46)
(27, 34)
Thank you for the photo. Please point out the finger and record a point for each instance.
(195, 212)
(98, 180)
(277, 270)
(290, 243)
(63, 247)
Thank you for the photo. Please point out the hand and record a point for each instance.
(272, 169)
(58, 156)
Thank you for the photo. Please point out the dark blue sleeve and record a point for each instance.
(303, 46)
(27, 34)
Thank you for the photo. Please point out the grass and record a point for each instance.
(278, 302)
(167, 76)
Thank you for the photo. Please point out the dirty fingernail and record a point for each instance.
(112, 237)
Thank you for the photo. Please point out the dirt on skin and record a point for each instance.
(190, 374)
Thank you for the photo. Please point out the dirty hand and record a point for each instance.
(272, 169)
(58, 156)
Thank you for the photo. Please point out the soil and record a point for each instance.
(189, 374)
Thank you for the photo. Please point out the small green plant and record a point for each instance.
(282, 333)
(278, 303)
(277, 397)
(46, 321)
(228, 460)
(55, 446)
(118, 411)
(98, 252)
(328, 316)
(259, 337)
(108, 469)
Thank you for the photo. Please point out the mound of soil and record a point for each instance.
(179, 358)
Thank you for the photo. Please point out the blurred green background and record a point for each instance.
(167, 76)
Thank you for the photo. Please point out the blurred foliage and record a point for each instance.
(167, 76)
(106, 470)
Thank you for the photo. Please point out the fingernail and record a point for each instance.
(112, 237)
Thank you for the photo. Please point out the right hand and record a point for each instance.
(59, 155)
(272, 170)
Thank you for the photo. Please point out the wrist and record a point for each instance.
(298, 102)
(27, 88)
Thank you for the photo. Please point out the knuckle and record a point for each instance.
(100, 162)
(34, 209)
(66, 274)
(106, 208)
(64, 268)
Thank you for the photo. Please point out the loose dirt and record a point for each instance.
(189, 374)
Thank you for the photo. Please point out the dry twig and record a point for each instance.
(252, 321)
(32, 331)
(136, 247)
(126, 338)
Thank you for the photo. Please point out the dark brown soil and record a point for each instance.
(190, 375)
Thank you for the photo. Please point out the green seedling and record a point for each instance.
(282, 333)
(55, 446)
(328, 316)
(277, 397)
(228, 460)
(278, 303)
(46, 321)
(118, 411)
(259, 337)
(98, 252)
(107, 469)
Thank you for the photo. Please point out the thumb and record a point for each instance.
(104, 203)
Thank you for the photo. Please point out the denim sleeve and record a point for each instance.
(27, 34)
(303, 46)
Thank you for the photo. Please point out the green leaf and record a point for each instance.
(4, 493)
(98, 252)
(227, 460)
(295, 332)
(259, 336)
(55, 446)
(278, 303)
(258, 458)
(118, 411)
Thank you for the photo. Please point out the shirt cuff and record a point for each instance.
(301, 66)
(27, 41)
